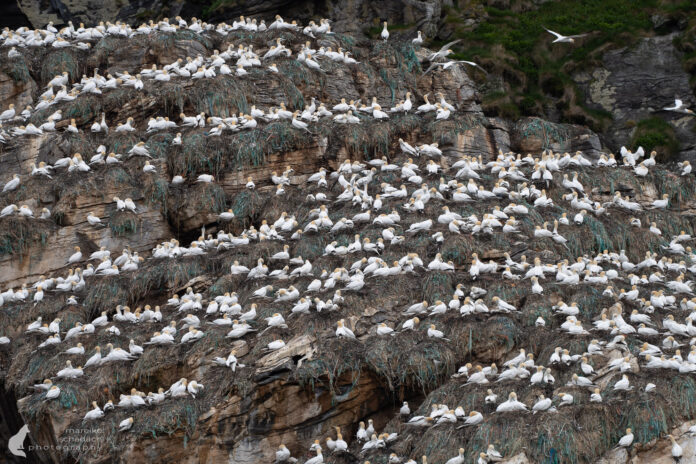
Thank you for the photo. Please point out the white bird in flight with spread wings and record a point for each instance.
(449, 64)
(564, 38)
(678, 107)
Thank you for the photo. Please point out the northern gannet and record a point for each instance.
(676, 450)
(512, 404)
(678, 107)
(385, 33)
(283, 454)
(474, 418)
(343, 331)
(8, 113)
(448, 64)
(443, 52)
(563, 38)
(626, 440)
(69, 372)
(125, 424)
(492, 454)
(95, 413)
(11, 184)
(53, 392)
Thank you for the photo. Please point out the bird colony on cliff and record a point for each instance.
(464, 251)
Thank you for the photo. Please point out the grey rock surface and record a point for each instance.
(635, 84)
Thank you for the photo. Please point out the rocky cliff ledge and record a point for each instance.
(317, 381)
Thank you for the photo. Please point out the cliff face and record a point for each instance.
(633, 84)
(351, 16)
(164, 213)
(245, 416)
(620, 78)
(316, 382)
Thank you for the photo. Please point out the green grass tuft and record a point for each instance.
(123, 223)
(656, 134)
(57, 62)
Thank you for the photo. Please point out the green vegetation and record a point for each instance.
(401, 57)
(216, 6)
(247, 204)
(181, 417)
(221, 96)
(157, 191)
(17, 69)
(86, 108)
(513, 43)
(123, 223)
(438, 286)
(208, 197)
(656, 134)
(458, 249)
(20, 234)
(161, 275)
(58, 62)
(200, 153)
(106, 295)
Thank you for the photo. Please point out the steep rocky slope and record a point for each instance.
(637, 57)
(348, 16)
(317, 381)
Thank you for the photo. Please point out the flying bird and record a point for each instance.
(564, 38)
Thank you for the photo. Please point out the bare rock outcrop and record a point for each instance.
(635, 83)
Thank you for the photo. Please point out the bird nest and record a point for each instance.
(580, 436)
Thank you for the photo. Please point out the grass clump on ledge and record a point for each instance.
(19, 235)
(157, 191)
(57, 62)
(198, 154)
(163, 274)
(17, 69)
(123, 223)
(221, 96)
(106, 294)
(406, 66)
(339, 358)
(422, 367)
(656, 134)
(84, 109)
(210, 197)
(247, 204)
